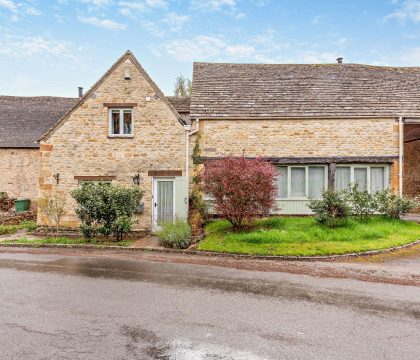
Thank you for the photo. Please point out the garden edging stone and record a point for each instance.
(214, 253)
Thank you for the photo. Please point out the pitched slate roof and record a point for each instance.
(24, 119)
(290, 90)
(180, 103)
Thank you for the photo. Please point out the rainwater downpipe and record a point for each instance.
(187, 129)
(401, 154)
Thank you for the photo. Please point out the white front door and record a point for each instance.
(163, 201)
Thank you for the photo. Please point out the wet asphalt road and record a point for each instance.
(69, 307)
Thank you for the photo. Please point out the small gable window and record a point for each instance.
(121, 122)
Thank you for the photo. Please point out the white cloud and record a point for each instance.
(98, 2)
(175, 21)
(240, 15)
(409, 10)
(342, 41)
(125, 12)
(316, 20)
(8, 4)
(203, 47)
(152, 28)
(32, 11)
(411, 57)
(134, 5)
(29, 45)
(212, 5)
(267, 47)
(159, 4)
(105, 23)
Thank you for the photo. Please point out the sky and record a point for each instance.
(52, 47)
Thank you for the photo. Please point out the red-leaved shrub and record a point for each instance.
(241, 188)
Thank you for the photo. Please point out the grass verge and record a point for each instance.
(69, 241)
(303, 236)
(11, 229)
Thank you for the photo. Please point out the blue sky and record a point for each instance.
(51, 47)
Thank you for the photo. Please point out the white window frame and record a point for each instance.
(368, 167)
(121, 134)
(289, 180)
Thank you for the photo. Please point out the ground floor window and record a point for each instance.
(301, 181)
(309, 181)
(369, 177)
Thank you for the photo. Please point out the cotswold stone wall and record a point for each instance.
(19, 172)
(81, 146)
(412, 168)
(302, 138)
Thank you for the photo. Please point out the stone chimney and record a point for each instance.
(80, 91)
(339, 60)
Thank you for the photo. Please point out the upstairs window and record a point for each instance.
(121, 122)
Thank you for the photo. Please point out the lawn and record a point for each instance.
(69, 241)
(11, 229)
(303, 236)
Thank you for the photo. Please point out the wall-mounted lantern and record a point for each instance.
(57, 177)
(136, 179)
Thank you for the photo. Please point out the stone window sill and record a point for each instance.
(121, 136)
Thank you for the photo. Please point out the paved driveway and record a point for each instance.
(55, 306)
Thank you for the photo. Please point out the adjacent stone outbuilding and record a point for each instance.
(22, 121)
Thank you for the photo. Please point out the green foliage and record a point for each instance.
(393, 205)
(175, 235)
(182, 86)
(53, 207)
(106, 208)
(362, 203)
(197, 149)
(332, 209)
(11, 229)
(70, 241)
(121, 226)
(304, 236)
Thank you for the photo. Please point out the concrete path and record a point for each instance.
(19, 235)
(147, 242)
(412, 217)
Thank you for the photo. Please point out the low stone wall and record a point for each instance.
(14, 218)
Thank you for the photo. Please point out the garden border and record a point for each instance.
(214, 253)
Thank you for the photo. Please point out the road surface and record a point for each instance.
(57, 306)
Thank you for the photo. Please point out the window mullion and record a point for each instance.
(121, 121)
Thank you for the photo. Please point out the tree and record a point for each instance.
(241, 188)
(53, 206)
(182, 86)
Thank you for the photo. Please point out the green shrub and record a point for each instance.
(332, 209)
(362, 203)
(106, 208)
(393, 205)
(175, 235)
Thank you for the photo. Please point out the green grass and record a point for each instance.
(11, 229)
(69, 241)
(303, 236)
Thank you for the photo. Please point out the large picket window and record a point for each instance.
(301, 181)
(369, 177)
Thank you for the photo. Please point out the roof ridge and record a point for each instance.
(307, 64)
